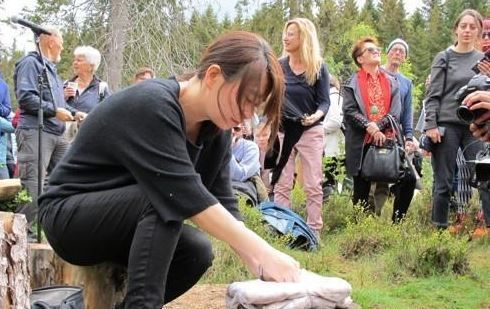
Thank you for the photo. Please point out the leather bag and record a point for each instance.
(385, 163)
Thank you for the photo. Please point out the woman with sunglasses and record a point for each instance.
(369, 96)
(124, 189)
(451, 70)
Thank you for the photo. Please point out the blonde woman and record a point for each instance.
(307, 102)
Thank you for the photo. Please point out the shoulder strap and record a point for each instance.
(446, 68)
(102, 89)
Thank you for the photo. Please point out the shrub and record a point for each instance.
(338, 211)
(369, 236)
(435, 253)
(20, 199)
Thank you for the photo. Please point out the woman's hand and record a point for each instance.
(260, 257)
(434, 135)
(481, 131)
(69, 92)
(379, 138)
(484, 67)
(312, 119)
(372, 128)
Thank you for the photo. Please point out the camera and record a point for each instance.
(477, 82)
(482, 164)
(485, 57)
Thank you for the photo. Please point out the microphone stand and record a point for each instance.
(42, 83)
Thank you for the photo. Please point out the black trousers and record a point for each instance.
(163, 259)
(444, 165)
(403, 191)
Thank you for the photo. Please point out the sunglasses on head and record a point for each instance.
(372, 50)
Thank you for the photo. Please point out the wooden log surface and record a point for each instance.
(14, 276)
(9, 188)
(103, 285)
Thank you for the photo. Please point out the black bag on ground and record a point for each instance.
(385, 163)
(57, 297)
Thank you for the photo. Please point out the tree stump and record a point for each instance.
(103, 285)
(14, 276)
(9, 188)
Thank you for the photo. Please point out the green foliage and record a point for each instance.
(369, 236)
(433, 254)
(21, 198)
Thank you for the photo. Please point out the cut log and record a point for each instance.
(9, 188)
(103, 285)
(14, 276)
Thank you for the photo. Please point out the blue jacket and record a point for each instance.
(90, 97)
(26, 75)
(406, 116)
(5, 129)
(5, 105)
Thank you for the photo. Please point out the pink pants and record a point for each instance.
(310, 151)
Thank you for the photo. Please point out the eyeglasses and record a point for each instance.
(396, 49)
(372, 50)
(485, 34)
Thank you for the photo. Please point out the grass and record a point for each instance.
(409, 265)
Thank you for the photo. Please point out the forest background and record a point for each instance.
(169, 35)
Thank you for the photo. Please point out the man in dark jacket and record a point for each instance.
(55, 113)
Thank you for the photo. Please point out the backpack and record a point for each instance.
(287, 222)
(57, 297)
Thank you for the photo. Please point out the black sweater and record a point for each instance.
(138, 137)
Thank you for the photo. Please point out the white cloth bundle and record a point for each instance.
(312, 291)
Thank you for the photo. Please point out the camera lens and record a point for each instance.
(465, 114)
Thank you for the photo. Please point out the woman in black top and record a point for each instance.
(155, 155)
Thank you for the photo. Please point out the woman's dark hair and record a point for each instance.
(247, 56)
(358, 48)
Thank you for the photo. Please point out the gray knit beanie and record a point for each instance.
(398, 41)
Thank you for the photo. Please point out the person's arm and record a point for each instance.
(435, 91)
(352, 112)
(5, 104)
(407, 115)
(27, 92)
(6, 126)
(333, 119)
(249, 164)
(322, 97)
(261, 258)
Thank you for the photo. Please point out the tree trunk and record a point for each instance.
(103, 285)
(118, 25)
(14, 276)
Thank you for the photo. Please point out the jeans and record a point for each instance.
(163, 259)
(309, 148)
(53, 149)
(444, 165)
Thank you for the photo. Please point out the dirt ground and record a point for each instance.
(209, 296)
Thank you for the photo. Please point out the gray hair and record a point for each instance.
(91, 54)
(53, 30)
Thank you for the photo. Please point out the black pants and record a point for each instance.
(164, 259)
(444, 165)
(403, 192)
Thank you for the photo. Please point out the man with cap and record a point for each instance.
(397, 53)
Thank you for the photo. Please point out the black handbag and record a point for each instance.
(385, 163)
(57, 297)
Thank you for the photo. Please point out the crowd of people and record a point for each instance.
(126, 169)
